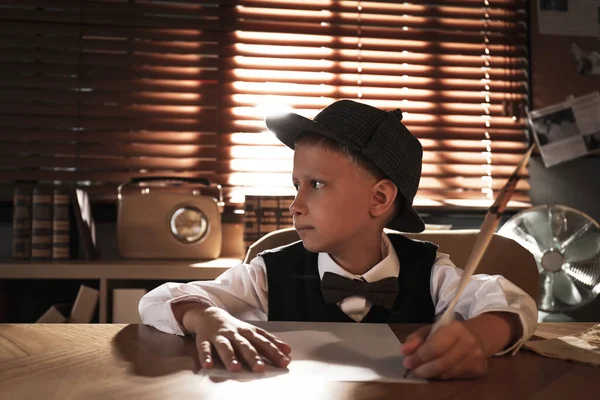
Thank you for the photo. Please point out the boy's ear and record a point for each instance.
(383, 196)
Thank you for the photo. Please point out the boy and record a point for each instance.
(356, 170)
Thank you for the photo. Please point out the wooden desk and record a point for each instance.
(138, 362)
(110, 273)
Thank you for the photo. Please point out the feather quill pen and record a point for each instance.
(484, 236)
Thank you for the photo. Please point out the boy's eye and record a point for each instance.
(313, 184)
(316, 184)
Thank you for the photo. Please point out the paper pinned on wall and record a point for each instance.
(333, 352)
(568, 17)
(567, 130)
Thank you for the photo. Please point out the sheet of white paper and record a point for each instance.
(567, 130)
(332, 351)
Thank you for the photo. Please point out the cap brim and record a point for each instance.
(407, 221)
(288, 127)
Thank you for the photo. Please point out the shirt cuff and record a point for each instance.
(159, 313)
(526, 329)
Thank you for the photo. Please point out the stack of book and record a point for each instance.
(52, 223)
(264, 214)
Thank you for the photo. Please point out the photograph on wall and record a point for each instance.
(568, 17)
(567, 130)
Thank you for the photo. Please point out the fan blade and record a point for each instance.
(565, 290)
(538, 227)
(576, 235)
(587, 272)
(546, 299)
(586, 247)
(557, 218)
(519, 234)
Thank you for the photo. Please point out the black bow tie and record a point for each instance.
(336, 288)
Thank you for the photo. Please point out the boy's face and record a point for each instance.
(331, 208)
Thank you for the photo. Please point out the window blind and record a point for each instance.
(97, 92)
(457, 69)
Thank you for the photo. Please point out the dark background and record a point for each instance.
(574, 183)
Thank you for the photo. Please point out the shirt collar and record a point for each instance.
(389, 266)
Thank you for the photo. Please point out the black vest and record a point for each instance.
(295, 291)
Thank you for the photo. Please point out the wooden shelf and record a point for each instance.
(116, 269)
(112, 271)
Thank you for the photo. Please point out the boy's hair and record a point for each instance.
(323, 142)
(364, 164)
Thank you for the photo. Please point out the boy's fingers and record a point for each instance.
(248, 353)
(414, 340)
(282, 346)
(462, 370)
(439, 343)
(268, 349)
(226, 353)
(205, 354)
(469, 367)
(446, 363)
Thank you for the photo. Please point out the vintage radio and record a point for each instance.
(169, 218)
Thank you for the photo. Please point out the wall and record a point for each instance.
(553, 67)
(554, 77)
(573, 184)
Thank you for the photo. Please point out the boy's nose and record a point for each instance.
(297, 207)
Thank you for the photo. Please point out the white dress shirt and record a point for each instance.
(243, 292)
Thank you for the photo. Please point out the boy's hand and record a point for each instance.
(233, 339)
(460, 349)
(453, 351)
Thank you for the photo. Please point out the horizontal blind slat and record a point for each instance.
(113, 149)
(96, 176)
(64, 136)
(282, 179)
(112, 163)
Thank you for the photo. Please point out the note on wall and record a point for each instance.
(569, 17)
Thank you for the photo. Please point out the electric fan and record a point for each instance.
(566, 246)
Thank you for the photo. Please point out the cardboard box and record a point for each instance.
(84, 306)
(56, 314)
(125, 306)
